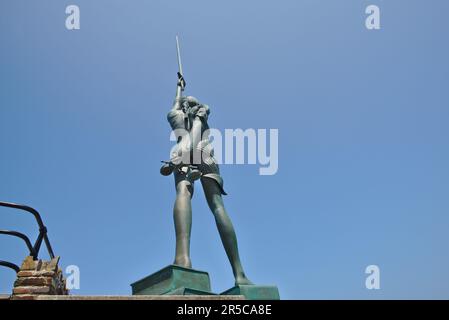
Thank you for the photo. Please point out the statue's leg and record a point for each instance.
(225, 228)
(182, 215)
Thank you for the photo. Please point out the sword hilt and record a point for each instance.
(181, 80)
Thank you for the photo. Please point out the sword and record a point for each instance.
(180, 73)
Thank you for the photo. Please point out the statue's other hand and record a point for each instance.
(194, 109)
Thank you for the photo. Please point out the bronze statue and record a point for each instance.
(188, 118)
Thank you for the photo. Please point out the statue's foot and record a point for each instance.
(242, 280)
(183, 262)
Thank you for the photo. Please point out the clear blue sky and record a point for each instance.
(363, 139)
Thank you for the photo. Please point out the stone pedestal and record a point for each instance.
(174, 280)
(38, 277)
(254, 292)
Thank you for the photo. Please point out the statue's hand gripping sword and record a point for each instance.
(180, 73)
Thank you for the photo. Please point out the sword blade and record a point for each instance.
(179, 56)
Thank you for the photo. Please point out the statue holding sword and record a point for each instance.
(188, 119)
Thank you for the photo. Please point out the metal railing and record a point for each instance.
(33, 249)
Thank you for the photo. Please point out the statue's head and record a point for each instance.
(190, 102)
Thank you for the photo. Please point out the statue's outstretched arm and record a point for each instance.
(177, 105)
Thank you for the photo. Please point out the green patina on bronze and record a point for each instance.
(254, 292)
(173, 280)
(190, 160)
(188, 119)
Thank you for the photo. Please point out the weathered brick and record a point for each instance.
(39, 278)
(33, 281)
(31, 290)
(30, 273)
(52, 265)
(30, 264)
